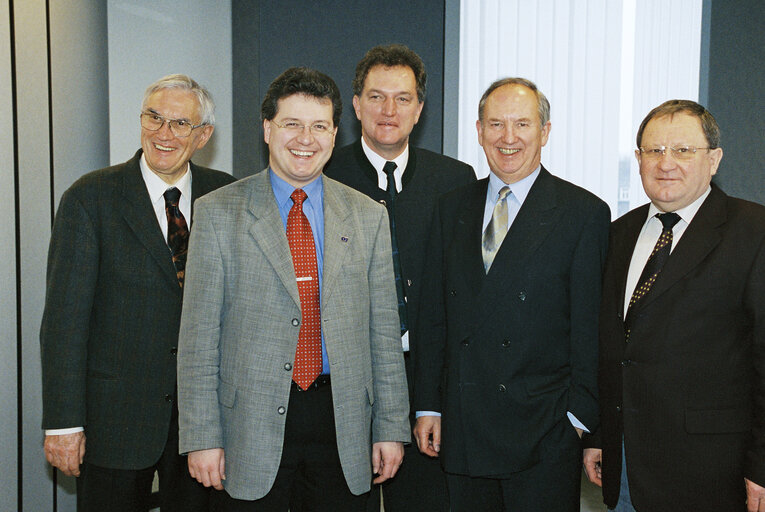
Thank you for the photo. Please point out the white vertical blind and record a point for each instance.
(603, 64)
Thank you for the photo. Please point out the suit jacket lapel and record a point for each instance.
(700, 237)
(337, 237)
(268, 232)
(138, 213)
(468, 235)
(621, 247)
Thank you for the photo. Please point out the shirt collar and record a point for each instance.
(157, 186)
(378, 162)
(283, 190)
(687, 213)
(520, 189)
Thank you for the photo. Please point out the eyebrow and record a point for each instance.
(149, 109)
(397, 93)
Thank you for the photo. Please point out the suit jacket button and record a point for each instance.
(506, 343)
(281, 409)
(382, 202)
(626, 363)
(618, 408)
(465, 343)
(295, 322)
(409, 282)
(502, 388)
(287, 366)
(174, 350)
(168, 398)
(453, 293)
(522, 295)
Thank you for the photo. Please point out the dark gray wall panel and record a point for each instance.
(736, 74)
(331, 36)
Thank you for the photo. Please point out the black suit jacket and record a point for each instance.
(112, 313)
(503, 356)
(688, 390)
(427, 176)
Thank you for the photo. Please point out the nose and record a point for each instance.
(389, 107)
(305, 136)
(508, 133)
(667, 161)
(164, 131)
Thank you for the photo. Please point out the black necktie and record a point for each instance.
(388, 169)
(653, 266)
(177, 232)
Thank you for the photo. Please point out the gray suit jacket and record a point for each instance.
(240, 326)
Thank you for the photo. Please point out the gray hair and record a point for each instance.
(542, 104)
(186, 83)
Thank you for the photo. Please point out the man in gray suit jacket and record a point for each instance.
(113, 307)
(250, 420)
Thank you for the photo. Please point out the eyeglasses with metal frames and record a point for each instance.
(180, 127)
(316, 129)
(678, 152)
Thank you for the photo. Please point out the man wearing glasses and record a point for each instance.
(116, 269)
(290, 373)
(682, 333)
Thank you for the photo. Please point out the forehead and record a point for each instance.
(399, 77)
(512, 100)
(303, 106)
(172, 102)
(673, 128)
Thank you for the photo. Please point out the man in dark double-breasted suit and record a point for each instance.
(113, 307)
(507, 338)
(389, 94)
(682, 345)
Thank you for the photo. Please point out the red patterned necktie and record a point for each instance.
(300, 238)
(177, 232)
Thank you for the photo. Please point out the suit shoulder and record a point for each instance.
(573, 192)
(747, 215)
(96, 182)
(351, 196)
(446, 164)
(212, 177)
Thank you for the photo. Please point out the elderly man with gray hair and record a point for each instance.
(109, 332)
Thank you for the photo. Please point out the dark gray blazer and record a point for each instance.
(504, 356)
(112, 312)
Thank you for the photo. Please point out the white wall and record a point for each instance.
(150, 39)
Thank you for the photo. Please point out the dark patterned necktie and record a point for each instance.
(177, 232)
(388, 169)
(303, 250)
(653, 266)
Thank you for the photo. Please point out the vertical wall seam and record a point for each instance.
(17, 234)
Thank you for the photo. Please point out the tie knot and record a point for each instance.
(298, 196)
(503, 193)
(172, 195)
(389, 167)
(668, 220)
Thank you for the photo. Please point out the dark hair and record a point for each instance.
(390, 56)
(543, 106)
(301, 81)
(672, 107)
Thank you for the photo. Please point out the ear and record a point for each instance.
(266, 130)
(545, 132)
(207, 132)
(419, 111)
(479, 128)
(637, 156)
(357, 106)
(715, 155)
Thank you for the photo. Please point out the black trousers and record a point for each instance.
(552, 484)
(310, 477)
(102, 489)
(420, 484)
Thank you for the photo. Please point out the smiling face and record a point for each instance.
(510, 133)
(388, 109)
(166, 154)
(298, 158)
(669, 183)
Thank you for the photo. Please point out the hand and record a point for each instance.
(755, 497)
(387, 457)
(427, 433)
(208, 467)
(591, 459)
(65, 452)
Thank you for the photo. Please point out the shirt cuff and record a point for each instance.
(575, 422)
(405, 341)
(63, 431)
(426, 413)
